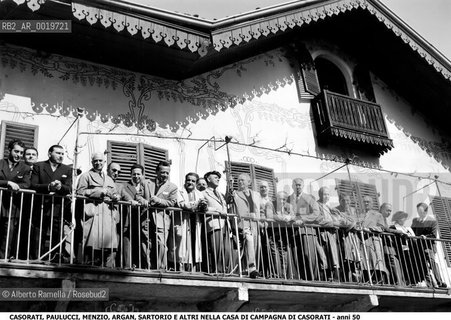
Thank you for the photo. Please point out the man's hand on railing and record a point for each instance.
(13, 186)
(142, 201)
(298, 223)
(55, 185)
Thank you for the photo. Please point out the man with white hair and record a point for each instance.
(247, 207)
(100, 215)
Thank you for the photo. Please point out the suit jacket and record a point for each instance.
(305, 208)
(166, 197)
(242, 208)
(128, 191)
(427, 228)
(215, 204)
(42, 175)
(19, 175)
(183, 198)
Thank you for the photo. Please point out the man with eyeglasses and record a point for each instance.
(113, 170)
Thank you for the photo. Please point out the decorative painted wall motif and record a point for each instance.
(137, 91)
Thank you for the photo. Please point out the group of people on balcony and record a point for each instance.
(244, 231)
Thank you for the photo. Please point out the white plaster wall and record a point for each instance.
(266, 113)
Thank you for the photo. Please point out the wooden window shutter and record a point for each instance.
(307, 78)
(150, 157)
(366, 189)
(308, 83)
(257, 174)
(358, 190)
(441, 207)
(310, 79)
(125, 154)
(14, 130)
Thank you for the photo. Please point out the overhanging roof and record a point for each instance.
(185, 32)
(198, 34)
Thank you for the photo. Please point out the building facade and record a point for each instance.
(280, 93)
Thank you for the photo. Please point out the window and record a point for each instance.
(127, 154)
(441, 207)
(358, 190)
(330, 76)
(257, 173)
(11, 130)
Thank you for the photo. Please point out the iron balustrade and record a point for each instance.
(38, 229)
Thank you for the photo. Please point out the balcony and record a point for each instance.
(342, 119)
(194, 272)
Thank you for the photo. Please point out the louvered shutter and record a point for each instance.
(310, 80)
(308, 83)
(265, 174)
(358, 190)
(370, 190)
(442, 210)
(257, 174)
(151, 156)
(13, 130)
(125, 154)
(349, 188)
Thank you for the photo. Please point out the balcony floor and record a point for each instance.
(175, 291)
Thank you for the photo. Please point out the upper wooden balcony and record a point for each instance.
(351, 121)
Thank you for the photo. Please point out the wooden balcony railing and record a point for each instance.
(341, 117)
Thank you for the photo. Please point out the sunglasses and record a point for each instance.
(116, 170)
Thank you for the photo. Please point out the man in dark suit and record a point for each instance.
(163, 195)
(137, 192)
(14, 175)
(52, 180)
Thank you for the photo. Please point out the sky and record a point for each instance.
(429, 18)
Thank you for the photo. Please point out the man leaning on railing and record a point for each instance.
(247, 206)
(163, 195)
(136, 220)
(14, 175)
(307, 213)
(187, 248)
(100, 216)
(52, 180)
(218, 227)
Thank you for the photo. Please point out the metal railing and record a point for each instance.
(37, 228)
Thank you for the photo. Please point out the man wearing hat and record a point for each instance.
(217, 226)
